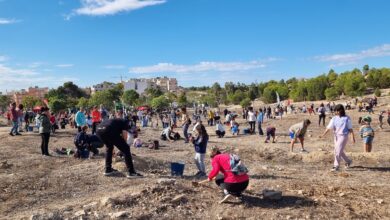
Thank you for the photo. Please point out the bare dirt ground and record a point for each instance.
(61, 187)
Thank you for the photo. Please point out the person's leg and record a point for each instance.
(223, 134)
(292, 144)
(79, 128)
(43, 144)
(197, 161)
(185, 132)
(93, 127)
(125, 149)
(47, 138)
(340, 142)
(236, 188)
(201, 163)
(109, 150)
(369, 147)
(366, 147)
(301, 139)
(218, 133)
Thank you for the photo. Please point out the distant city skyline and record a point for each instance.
(48, 42)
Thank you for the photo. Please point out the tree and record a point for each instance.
(104, 98)
(245, 102)
(57, 105)
(83, 102)
(153, 92)
(182, 100)
(299, 91)
(160, 102)
(4, 102)
(269, 94)
(130, 97)
(366, 68)
(377, 92)
(331, 94)
(31, 101)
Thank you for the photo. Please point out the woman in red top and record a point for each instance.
(96, 119)
(231, 183)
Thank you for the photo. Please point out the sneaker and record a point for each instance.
(334, 169)
(198, 173)
(134, 175)
(18, 133)
(304, 151)
(110, 172)
(11, 134)
(225, 199)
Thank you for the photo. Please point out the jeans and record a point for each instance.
(199, 161)
(14, 129)
(185, 131)
(110, 141)
(94, 124)
(321, 117)
(260, 129)
(252, 124)
(45, 137)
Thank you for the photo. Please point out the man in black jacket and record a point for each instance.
(114, 132)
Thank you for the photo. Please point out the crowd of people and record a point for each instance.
(120, 129)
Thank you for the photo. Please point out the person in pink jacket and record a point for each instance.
(233, 184)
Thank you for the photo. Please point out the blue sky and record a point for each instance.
(47, 42)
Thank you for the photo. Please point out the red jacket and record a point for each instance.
(221, 163)
(96, 116)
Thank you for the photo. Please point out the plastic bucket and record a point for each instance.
(30, 128)
(177, 169)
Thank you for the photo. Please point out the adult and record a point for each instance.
(103, 113)
(251, 116)
(14, 117)
(220, 130)
(44, 130)
(113, 132)
(321, 116)
(80, 119)
(96, 119)
(341, 124)
(260, 120)
(200, 141)
(168, 134)
(186, 122)
(233, 184)
(298, 131)
(20, 117)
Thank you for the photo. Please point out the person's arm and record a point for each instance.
(215, 170)
(325, 132)
(352, 135)
(124, 135)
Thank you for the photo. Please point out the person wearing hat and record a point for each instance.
(367, 133)
(232, 183)
(113, 132)
(44, 130)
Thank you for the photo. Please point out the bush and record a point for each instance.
(377, 92)
(245, 102)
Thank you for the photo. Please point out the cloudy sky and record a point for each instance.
(48, 42)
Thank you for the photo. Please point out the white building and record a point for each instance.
(139, 85)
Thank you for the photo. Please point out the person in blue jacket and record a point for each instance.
(200, 141)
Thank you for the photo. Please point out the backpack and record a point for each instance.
(236, 165)
(80, 140)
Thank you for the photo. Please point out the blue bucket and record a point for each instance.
(30, 128)
(177, 169)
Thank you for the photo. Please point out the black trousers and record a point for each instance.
(94, 124)
(233, 188)
(45, 137)
(321, 117)
(220, 133)
(110, 141)
(252, 124)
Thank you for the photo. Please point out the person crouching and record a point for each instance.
(234, 181)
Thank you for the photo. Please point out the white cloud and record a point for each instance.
(114, 67)
(202, 67)
(8, 21)
(351, 58)
(19, 78)
(64, 65)
(110, 7)
(3, 58)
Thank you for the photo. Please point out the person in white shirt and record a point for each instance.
(220, 129)
(252, 120)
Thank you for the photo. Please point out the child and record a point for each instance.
(200, 141)
(270, 131)
(367, 133)
(219, 129)
(341, 125)
(234, 127)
